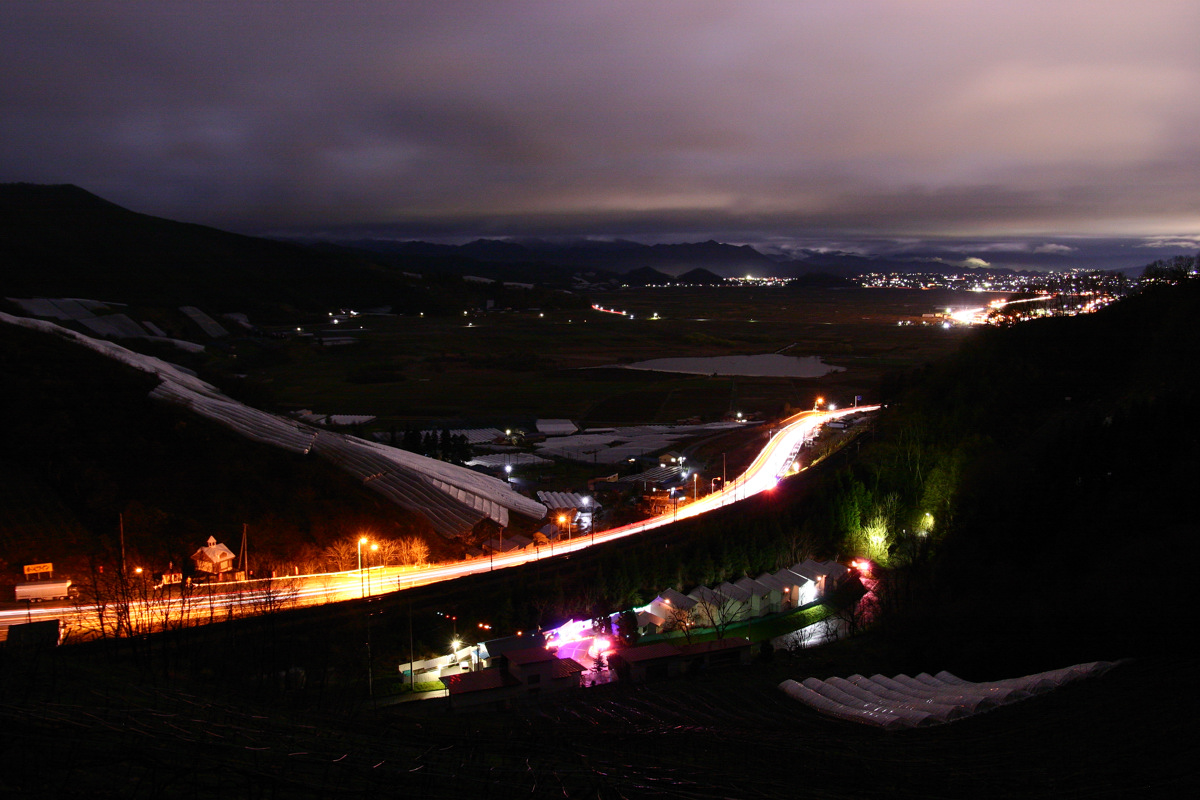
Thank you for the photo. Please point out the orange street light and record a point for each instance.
(362, 592)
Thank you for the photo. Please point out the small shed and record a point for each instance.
(760, 596)
(717, 609)
(648, 622)
(799, 590)
(673, 607)
(741, 600)
(778, 598)
(814, 572)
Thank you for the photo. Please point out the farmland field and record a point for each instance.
(508, 367)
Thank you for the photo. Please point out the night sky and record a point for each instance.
(1018, 133)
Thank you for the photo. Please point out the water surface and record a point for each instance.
(772, 365)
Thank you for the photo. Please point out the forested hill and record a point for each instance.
(1056, 461)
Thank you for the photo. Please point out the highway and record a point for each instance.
(218, 602)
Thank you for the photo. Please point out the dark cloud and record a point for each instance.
(756, 121)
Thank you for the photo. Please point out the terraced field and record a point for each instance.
(711, 736)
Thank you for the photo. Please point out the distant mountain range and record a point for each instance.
(616, 256)
(626, 258)
(62, 241)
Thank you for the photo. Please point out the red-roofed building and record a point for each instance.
(667, 660)
(484, 686)
(542, 671)
(519, 674)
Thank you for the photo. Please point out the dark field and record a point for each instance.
(723, 734)
(514, 366)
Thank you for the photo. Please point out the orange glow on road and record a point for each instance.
(245, 597)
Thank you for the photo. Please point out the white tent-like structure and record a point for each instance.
(452, 498)
(910, 702)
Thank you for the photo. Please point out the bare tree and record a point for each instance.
(679, 620)
(413, 551)
(342, 555)
(718, 612)
(272, 595)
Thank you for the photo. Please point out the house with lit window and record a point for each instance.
(214, 559)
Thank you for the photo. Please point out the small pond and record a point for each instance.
(772, 365)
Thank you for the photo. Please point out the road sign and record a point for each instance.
(34, 569)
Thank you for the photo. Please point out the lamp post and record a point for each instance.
(563, 519)
(362, 592)
(695, 484)
(712, 485)
(374, 549)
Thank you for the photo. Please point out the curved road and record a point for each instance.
(234, 599)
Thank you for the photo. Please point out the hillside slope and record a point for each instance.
(85, 446)
(62, 241)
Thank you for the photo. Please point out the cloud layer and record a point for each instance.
(747, 120)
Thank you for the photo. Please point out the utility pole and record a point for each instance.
(242, 556)
(370, 663)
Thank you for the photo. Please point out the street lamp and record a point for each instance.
(362, 592)
(374, 549)
(712, 485)
(695, 484)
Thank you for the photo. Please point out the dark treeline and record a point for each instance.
(1177, 268)
(445, 445)
(1012, 488)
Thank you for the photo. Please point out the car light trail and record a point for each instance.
(248, 597)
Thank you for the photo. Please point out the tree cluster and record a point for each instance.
(445, 447)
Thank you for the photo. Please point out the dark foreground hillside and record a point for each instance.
(72, 727)
(84, 448)
(1065, 534)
